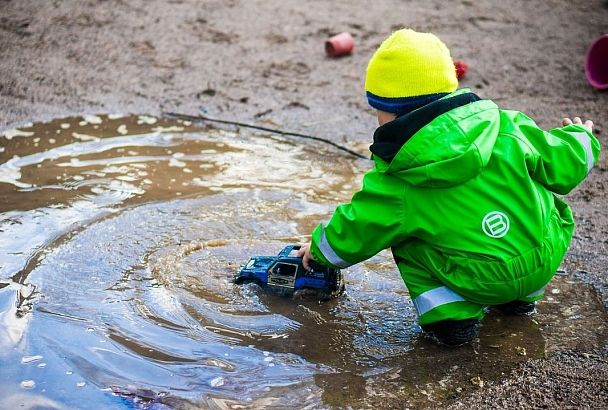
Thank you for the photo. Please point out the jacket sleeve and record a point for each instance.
(562, 156)
(371, 222)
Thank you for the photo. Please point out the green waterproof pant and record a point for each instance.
(459, 287)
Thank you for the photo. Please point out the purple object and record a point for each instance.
(596, 63)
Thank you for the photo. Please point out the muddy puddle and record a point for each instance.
(119, 237)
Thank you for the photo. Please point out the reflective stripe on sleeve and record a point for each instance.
(435, 297)
(329, 253)
(537, 292)
(585, 141)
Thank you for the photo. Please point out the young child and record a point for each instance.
(463, 192)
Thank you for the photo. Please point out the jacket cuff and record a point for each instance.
(585, 138)
(322, 251)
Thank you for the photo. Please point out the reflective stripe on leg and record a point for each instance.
(460, 310)
(537, 293)
(535, 296)
(435, 297)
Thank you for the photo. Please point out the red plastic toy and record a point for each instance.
(461, 68)
(339, 45)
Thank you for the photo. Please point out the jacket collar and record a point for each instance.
(390, 137)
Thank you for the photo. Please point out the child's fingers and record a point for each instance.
(577, 120)
(304, 253)
(306, 261)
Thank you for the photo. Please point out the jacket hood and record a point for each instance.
(442, 144)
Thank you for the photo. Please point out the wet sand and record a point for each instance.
(263, 62)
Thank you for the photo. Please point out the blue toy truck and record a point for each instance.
(286, 274)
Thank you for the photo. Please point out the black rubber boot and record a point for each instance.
(517, 308)
(453, 332)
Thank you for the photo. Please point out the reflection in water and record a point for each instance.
(15, 304)
(120, 237)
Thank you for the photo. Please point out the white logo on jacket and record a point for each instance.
(495, 224)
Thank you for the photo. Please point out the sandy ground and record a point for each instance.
(263, 61)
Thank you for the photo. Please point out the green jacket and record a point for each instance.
(465, 191)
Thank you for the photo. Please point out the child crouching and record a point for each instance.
(463, 192)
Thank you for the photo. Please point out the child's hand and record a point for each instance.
(304, 253)
(588, 124)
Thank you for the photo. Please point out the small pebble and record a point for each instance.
(477, 381)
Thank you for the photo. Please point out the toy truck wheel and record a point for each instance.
(242, 280)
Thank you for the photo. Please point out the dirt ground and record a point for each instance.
(263, 61)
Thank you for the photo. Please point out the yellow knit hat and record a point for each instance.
(410, 64)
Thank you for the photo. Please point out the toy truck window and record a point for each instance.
(258, 263)
(285, 269)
